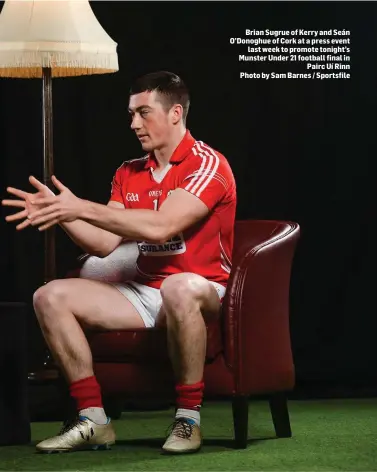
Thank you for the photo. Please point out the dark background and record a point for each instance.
(301, 151)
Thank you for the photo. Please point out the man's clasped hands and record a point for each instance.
(43, 209)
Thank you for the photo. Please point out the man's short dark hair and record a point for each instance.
(169, 86)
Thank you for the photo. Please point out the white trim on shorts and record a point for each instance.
(148, 301)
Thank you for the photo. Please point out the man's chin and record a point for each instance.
(147, 147)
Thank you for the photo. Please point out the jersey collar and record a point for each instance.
(181, 151)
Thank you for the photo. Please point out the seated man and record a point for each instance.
(178, 202)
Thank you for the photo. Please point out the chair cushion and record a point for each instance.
(144, 344)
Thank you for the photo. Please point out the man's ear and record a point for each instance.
(177, 112)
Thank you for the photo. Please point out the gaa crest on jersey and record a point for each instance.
(175, 245)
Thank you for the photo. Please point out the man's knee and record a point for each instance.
(48, 297)
(180, 292)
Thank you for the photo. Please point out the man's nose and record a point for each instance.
(135, 122)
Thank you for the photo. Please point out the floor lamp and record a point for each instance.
(46, 39)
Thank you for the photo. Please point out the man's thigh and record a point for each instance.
(96, 304)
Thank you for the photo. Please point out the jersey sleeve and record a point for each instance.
(116, 185)
(208, 178)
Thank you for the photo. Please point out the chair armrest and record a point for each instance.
(256, 310)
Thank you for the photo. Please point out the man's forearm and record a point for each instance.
(138, 225)
(91, 239)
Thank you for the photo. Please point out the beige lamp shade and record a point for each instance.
(63, 35)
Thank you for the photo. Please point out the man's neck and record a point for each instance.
(164, 154)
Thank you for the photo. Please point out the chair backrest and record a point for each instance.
(261, 267)
(253, 233)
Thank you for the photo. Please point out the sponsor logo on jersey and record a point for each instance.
(175, 245)
(132, 197)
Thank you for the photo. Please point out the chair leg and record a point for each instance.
(240, 408)
(280, 415)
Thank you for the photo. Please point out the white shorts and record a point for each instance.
(147, 300)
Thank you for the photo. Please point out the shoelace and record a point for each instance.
(70, 424)
(181, 428)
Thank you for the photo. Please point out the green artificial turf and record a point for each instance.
(327, 435)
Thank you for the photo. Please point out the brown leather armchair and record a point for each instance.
(248, 352)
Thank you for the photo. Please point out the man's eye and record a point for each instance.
(144, 112)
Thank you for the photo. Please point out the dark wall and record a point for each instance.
(303, 151)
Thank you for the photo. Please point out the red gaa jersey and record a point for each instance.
(204, 248)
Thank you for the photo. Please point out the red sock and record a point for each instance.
(87, 393)
(190, 397)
